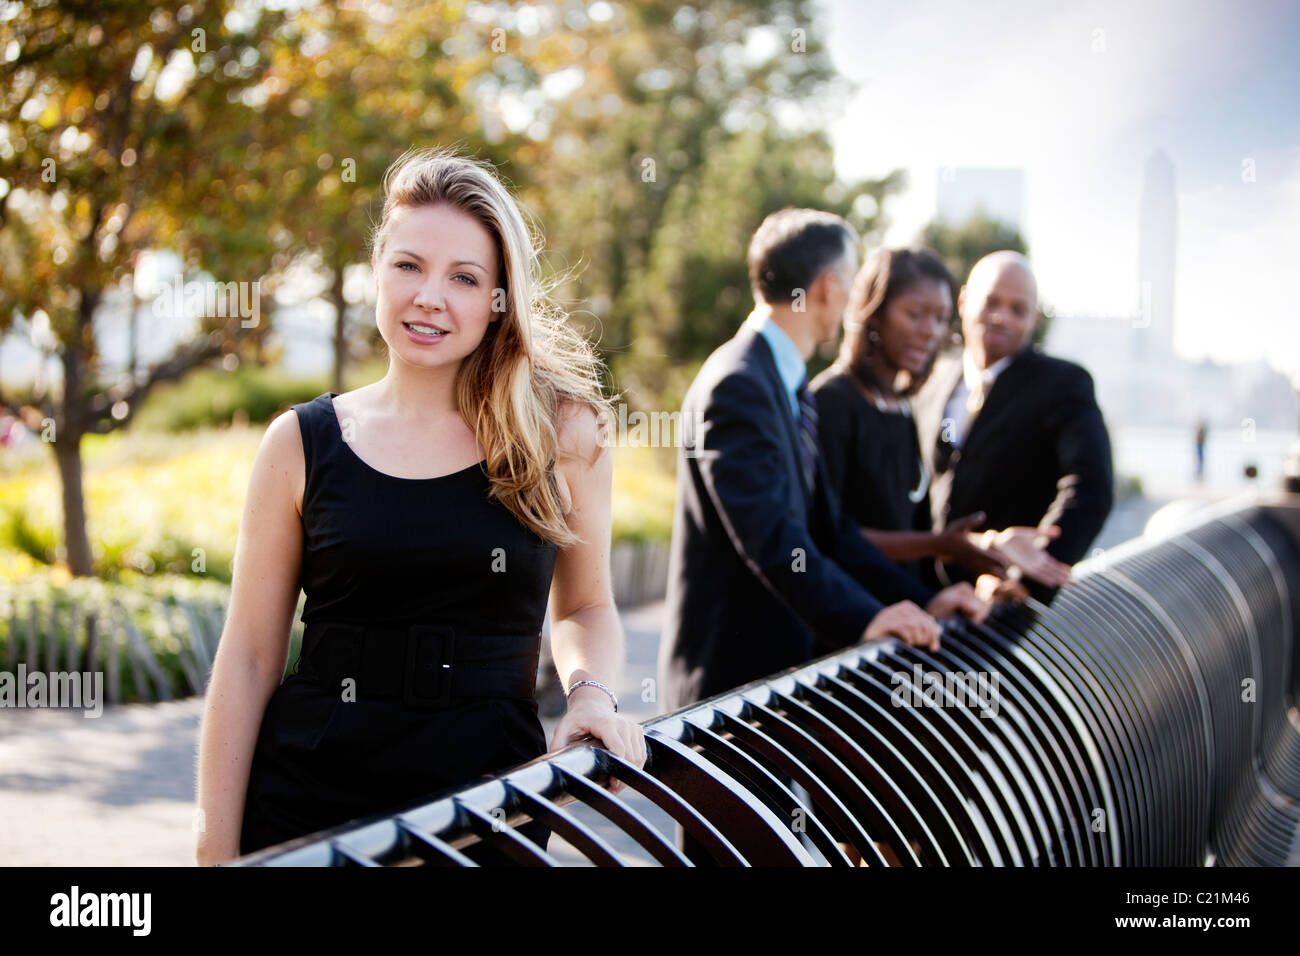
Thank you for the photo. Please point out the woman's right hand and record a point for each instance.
(590, 713)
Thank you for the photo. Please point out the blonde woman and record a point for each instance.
(429, 517)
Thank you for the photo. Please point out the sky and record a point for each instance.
(1078, 95)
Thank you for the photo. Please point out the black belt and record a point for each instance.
(425, 665)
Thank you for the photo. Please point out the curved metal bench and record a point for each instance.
(1148, 717)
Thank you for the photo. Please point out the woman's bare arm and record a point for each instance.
(587, 640)
(956, 543)
(904, 545)
(254, 645)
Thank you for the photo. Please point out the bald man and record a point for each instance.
(1010, 431)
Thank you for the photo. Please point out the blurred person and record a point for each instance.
(1201, 435)
(900, 311)
(1010, 432)
(428, 517)
(23, 430)
(765, 570)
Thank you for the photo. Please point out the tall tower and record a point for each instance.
(1157, 244)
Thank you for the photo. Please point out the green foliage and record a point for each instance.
(1128, 487)
(662, 162)
(644, 488)
(110, 156)
(178, 621)
(252, 394)
(964, 245)
(212, 398)
(21, 534)
(157, 504)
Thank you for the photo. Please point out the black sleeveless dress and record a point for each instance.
(425, 602)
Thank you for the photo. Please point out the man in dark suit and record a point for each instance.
(1010, 431)
(765, 571)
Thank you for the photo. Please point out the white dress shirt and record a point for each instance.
(956, 411)
(789, 363)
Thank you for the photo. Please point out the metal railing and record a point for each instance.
(1146, 718)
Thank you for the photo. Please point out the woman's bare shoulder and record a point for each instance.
(581, 437)
(580, 432)
(281, 454)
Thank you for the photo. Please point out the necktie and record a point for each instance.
(808, 432)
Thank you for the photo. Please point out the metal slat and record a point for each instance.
(739, 814)
(905, 759)
(434, 850)
(742, 766)
(830, 770)
(941, 729)
(504, 838)
(585, 840)
(625, 818)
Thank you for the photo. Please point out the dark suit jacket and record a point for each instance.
(1036, 453)
(761, 575)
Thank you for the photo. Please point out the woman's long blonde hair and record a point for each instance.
(531, 361)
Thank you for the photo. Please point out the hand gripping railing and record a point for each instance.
(1147, 717)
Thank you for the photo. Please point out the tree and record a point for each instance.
(658, 139)
(122, 127)
(964, 245)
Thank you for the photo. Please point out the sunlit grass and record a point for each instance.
(159, 502)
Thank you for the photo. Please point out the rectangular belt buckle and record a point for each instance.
(430, 651)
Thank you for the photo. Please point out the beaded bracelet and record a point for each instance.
(594, 683)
